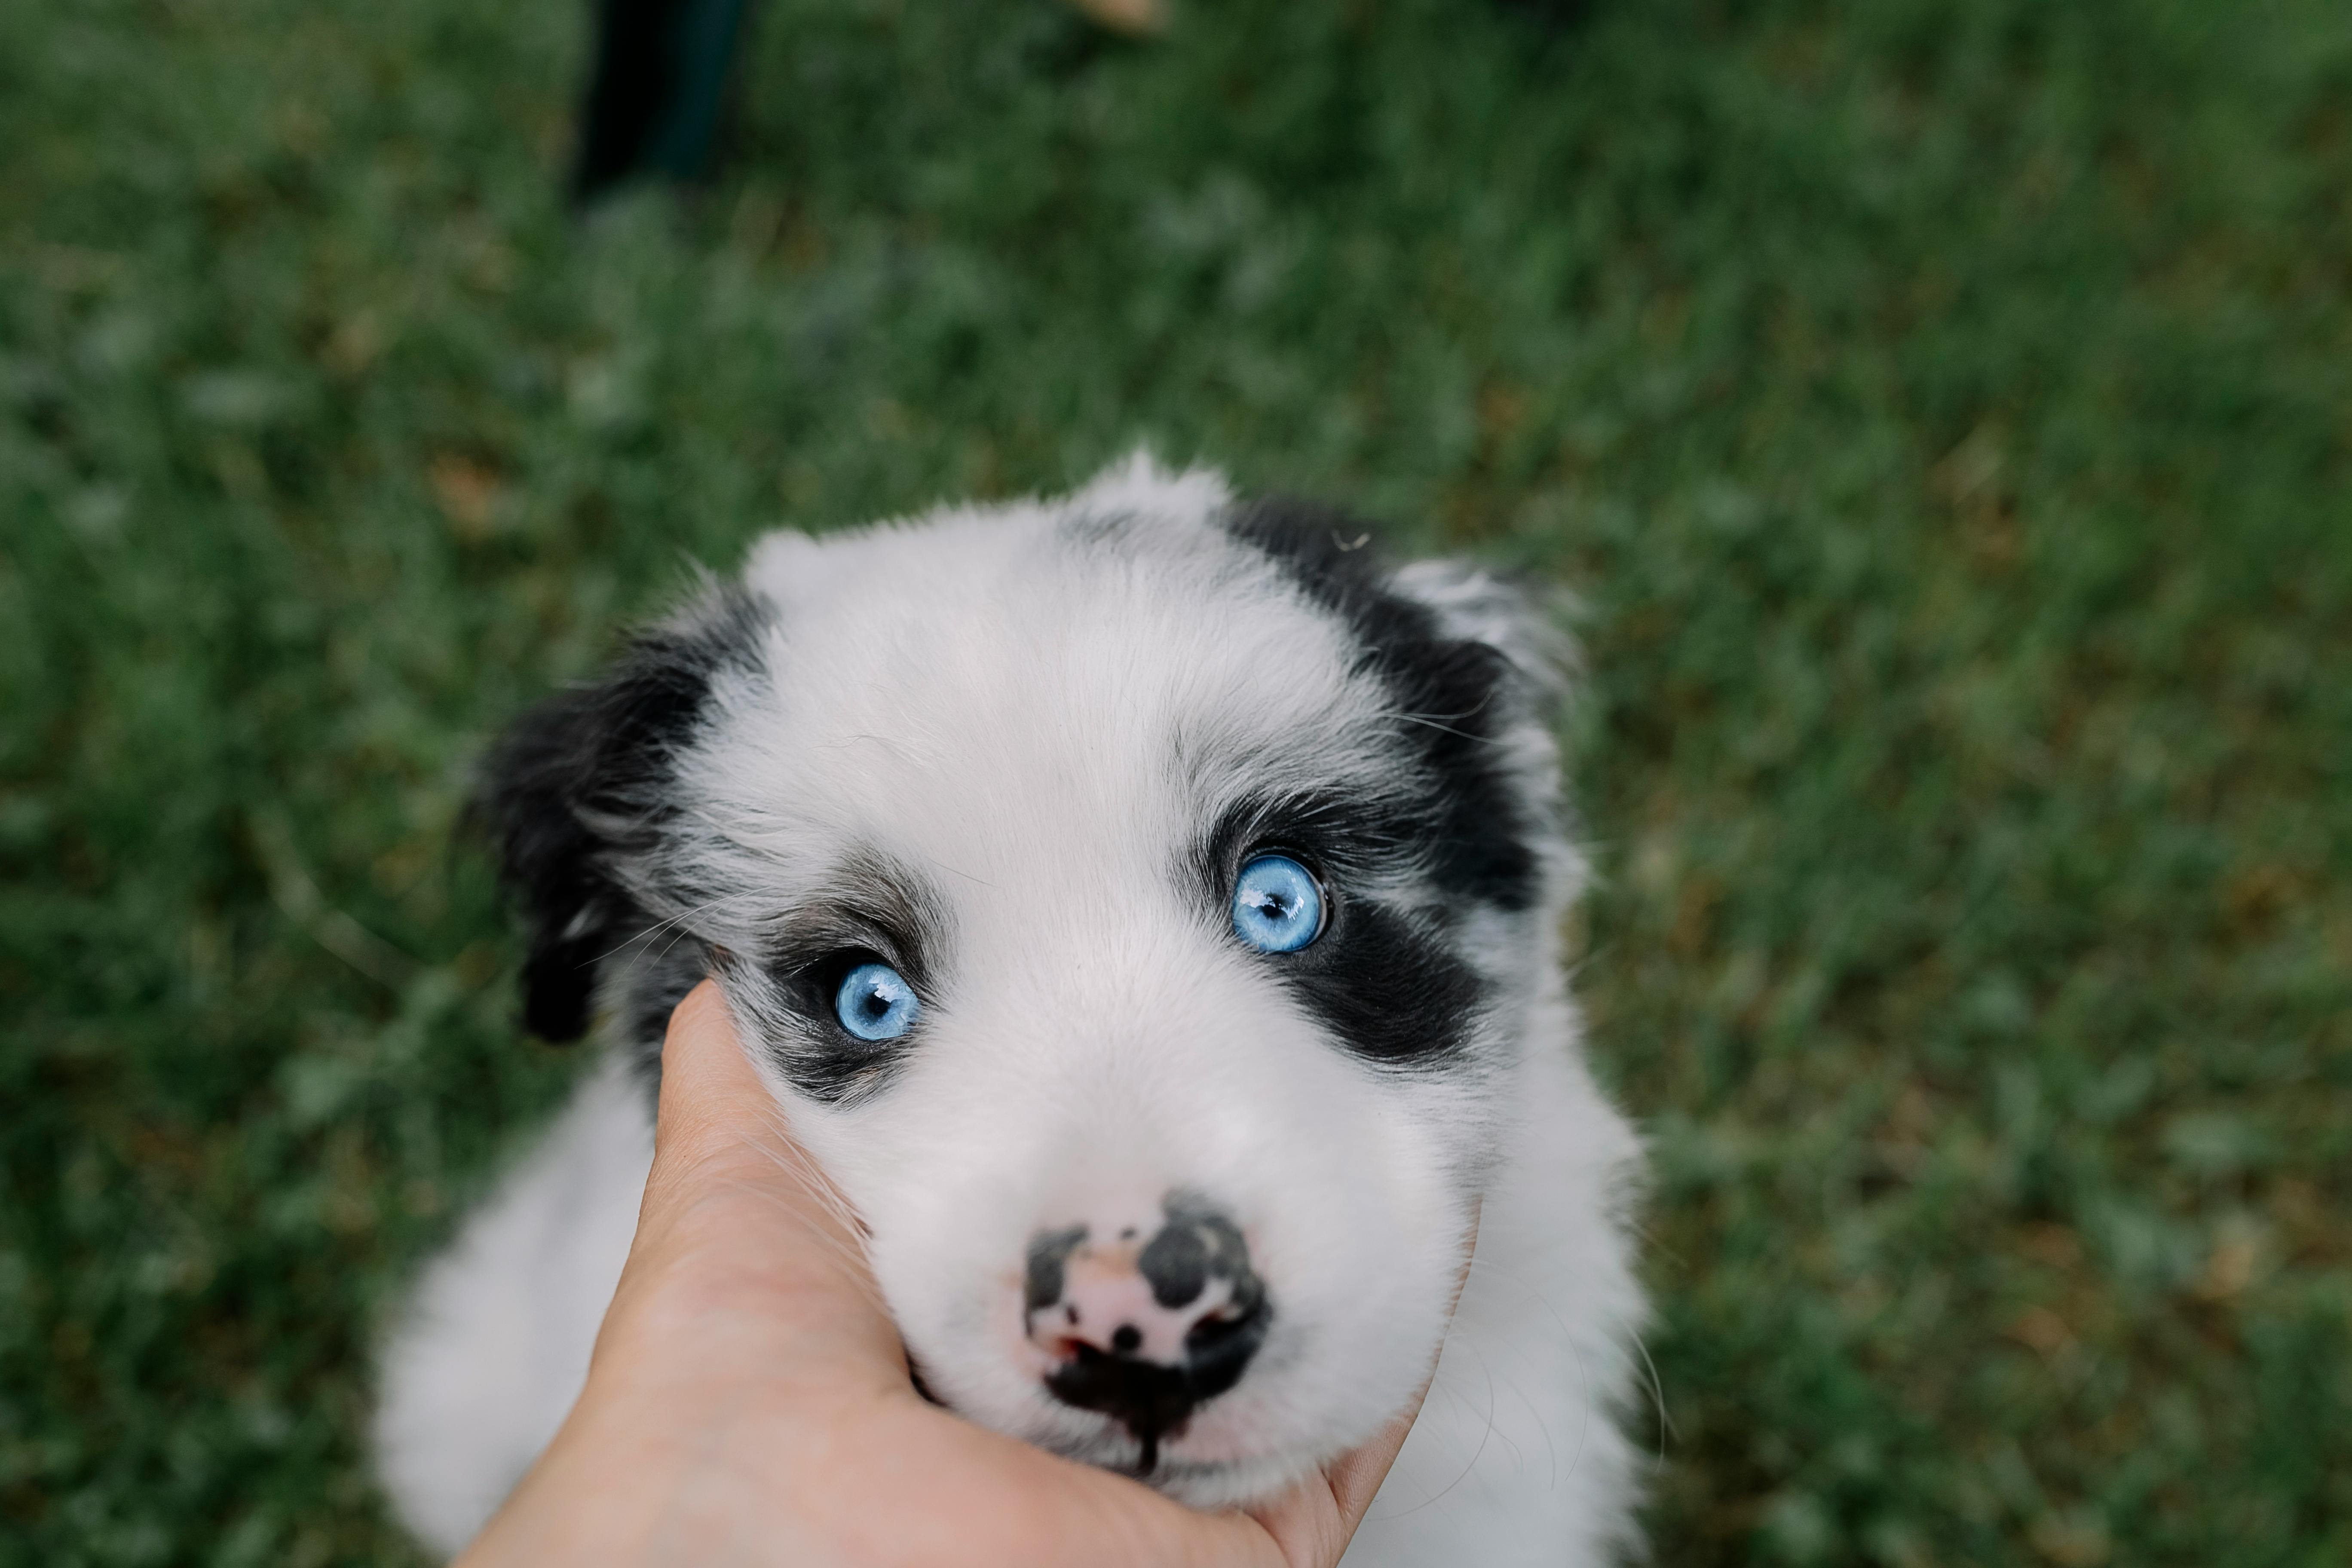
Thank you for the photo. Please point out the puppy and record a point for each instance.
(1146, 906)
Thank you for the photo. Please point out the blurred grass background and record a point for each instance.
(1944, 408)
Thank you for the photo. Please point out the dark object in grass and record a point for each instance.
(658, 94)
(656, 97)
(1554, 13)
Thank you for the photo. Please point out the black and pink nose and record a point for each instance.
(1145, 1328)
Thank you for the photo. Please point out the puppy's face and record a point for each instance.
(1132, 901)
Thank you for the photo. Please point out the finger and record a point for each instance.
(1313, 1522)
(711, 1096)
(720, 1132)
(738, 1223)
(744, 1296)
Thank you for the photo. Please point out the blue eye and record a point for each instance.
(1277, 905)
(875, 1003)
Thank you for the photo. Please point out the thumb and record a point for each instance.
(712, 1100)
(745, 1296)
(737, 1218)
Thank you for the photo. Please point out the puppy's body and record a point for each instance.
(1025, 761)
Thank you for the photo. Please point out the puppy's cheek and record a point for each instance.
(961, 1330)
(1351, 1364)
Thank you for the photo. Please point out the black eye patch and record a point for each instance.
(1387, 985)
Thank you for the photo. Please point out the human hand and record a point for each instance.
(748, 1402)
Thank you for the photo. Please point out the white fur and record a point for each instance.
(1036, 708)
(494, 1347)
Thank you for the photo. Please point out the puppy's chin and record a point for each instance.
(1197, 1482)
(1184, 1469)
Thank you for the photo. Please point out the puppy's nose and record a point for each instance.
(1146, 1328)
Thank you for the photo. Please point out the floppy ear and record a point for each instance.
(586, 784)
(1474, 667)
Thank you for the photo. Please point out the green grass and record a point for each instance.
(1944, 410)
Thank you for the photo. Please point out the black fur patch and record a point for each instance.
(583, 780)
(1448, 693)
(1388, 985)
(1392, 990)
(1386, 981)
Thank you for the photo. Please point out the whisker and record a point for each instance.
(655, 930)
(1657, 1398)
(1455, 1394)
(1584, 1370)
(1447, 730)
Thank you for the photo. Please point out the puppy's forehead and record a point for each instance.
(966, 687)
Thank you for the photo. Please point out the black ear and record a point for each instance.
(1464, 662)
(579, 794)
